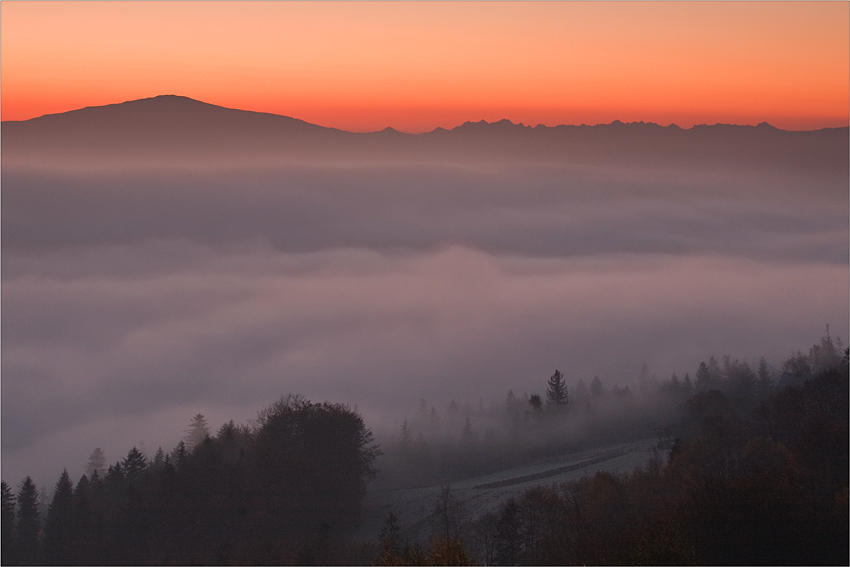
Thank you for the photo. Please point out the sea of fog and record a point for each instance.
(133, 299)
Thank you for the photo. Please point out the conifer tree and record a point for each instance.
(59, 522)
(114, 478)
(467, 435)
(703, 377)
(198, 432)
(86, 533)
(134, 465)
(687, 385)
(178, 456)
(714, 370)
(596, 388)
(29, 524)
(158, 460)
(97, 463)
(556, 393)
(7, 522)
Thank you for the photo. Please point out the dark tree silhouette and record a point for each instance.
(58, 527)
(134, 465)
(390, 542)
(87, 528)
(751, 483)
(7, 524)
(485, 536)
(509, 538)
(450, 518)
(556, 393)
(687, 385)
(198, 431)
(449, 515)
(29, 524)
(703, 377)
(311, 464)
(158, 460)
(178, 456)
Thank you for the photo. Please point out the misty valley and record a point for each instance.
(732, 466)
(240, 338)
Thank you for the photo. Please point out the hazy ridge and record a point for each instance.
(171, 129)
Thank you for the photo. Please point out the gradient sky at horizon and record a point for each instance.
(415, 66)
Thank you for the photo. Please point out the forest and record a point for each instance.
(751, 467)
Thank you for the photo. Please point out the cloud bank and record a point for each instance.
(134, 298)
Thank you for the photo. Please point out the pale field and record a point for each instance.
(414, 507)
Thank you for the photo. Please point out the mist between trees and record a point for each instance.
(434, 446)
(751, 467)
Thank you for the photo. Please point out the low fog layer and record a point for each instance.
(135, 298)
(543, 211)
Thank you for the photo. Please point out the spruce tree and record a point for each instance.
(197, 433)
(556, 393)
(178, 456)
(134, 465)
(8, 524)
(158, 460)
(29, 524)
(703, 377)
(59, 522)
(86, 532)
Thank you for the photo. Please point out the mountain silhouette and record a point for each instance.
(170, 129)
(165, 127)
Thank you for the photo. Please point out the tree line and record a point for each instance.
(282, 490)
(744, 483)
(756, 473)
(434, 447)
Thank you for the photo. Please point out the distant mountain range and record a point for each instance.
(175, 130)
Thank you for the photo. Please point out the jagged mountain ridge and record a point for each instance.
(173, 129)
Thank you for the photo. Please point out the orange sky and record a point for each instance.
(415, 66)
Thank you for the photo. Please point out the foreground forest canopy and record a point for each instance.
(753, 469)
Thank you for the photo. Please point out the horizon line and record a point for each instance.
(763, 123)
